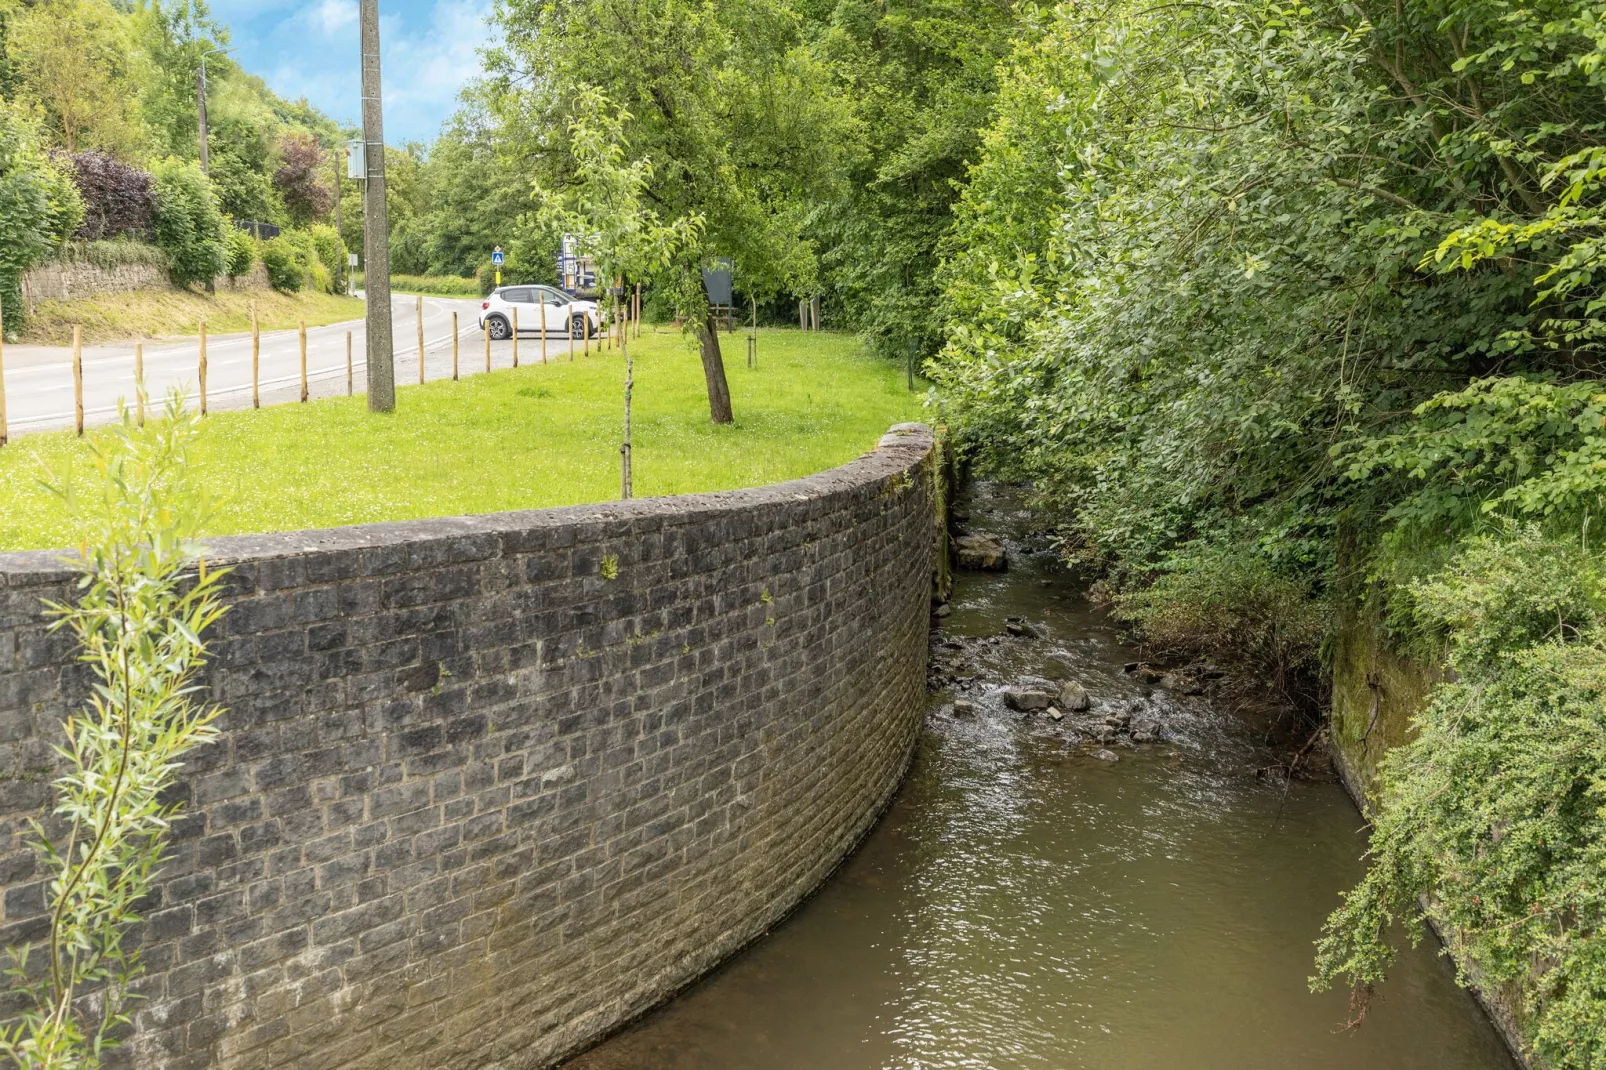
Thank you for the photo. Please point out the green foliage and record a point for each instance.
(439, 285)
(189, 227)
(1496, 811)
(39, 206)
(144, 602)
(242, 252)
(1229, 603)
(330, 252)
(287, 271)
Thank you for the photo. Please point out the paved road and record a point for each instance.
(39, 387)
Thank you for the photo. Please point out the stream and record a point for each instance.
(1026, 903)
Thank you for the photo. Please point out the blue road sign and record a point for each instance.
(497, 258)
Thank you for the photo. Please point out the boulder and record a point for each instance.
(1055, 715)
(1074, 697)
(981, 553)
(1182, 685)
(1027, 700)
(963, 708)
(1106, 756)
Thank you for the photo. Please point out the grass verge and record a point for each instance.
(539, 436)
(430, 285)
(178, 313)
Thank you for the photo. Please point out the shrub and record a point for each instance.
(301, 178)
(1228, 602)
(119, 200)
(144, 603)
(39, 205)
(188, 224)
(242, 252)
(281, 259)
(331, 252)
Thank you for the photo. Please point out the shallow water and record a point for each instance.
(1023, 904)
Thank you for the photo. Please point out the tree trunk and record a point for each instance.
(719, 392)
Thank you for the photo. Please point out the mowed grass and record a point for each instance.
(178, 313)
(535, 437)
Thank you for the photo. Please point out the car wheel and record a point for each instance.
(578, 327)
(500, 329)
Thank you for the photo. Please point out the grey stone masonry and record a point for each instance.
(488, 787)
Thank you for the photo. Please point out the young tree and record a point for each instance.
(145, 599)
(605, 208)
(302, 178)
(726, 98)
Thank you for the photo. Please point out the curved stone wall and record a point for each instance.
(488, 787)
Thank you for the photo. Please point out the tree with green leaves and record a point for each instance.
(40, 207)
(145, 600)
(727, 99)
(606, 210)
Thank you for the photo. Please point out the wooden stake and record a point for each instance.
(638, 311)
(487, 345)
(515, 336)
(348, 364)
(78, 376)
(2, 375)
(585, 329)
(303, 328)
(454, 347)
(543, 329)
(203, 367)
(139, 380)
(420, 339)
(256, 359)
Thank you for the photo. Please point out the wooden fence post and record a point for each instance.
(487, 345)
(454, 347)
(348, 364)
(515, 336)
(2, 375)
(78, 376)
(139, 380)
(638, 310)
(420, 339)
(256, 359)
(585, 329)
(303, 328)
(203, 368)
(543, 329)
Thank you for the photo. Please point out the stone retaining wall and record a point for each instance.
(69, 280)
(488, 787)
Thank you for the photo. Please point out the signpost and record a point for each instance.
(497, 260)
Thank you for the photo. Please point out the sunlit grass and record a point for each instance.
(178, 313)
(539, 436)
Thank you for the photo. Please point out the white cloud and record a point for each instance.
(332, 16)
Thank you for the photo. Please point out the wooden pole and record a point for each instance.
(2, 375)
(348, 364)
(203, 367)
(638, 311)
(78, 376)
(454, 347)
(487, 345)
(515, 336)
(420, 339)
(627, 482)
(585, 329)
(543, 329)
(256, 359)
(139, 380)
(303, 329)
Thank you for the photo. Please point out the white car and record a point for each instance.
(565, 315)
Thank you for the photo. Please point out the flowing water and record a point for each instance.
(1026, 904)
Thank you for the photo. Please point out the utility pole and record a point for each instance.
(376, 223)
(337, 155)
(200, 103)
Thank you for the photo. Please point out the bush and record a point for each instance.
(242, 252)
(281, 259)
(331, 253)
(188, 224)
(119, 201)
(1228, 602)
(39, 205)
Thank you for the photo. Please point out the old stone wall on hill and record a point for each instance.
(488, 787)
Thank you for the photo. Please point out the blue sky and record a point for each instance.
(309, 48)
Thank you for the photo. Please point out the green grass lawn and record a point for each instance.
(539, 436)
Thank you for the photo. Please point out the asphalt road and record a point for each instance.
(39, 383)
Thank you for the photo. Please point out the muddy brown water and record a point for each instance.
(1023, 904)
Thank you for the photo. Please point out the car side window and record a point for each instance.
(516, 297)
(553, 297)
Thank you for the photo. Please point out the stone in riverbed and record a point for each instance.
(964, 709)
(1074, 697)
(1182, 685)
(1027, 700)
(1106, 756)
(1055, 715)
(982, 553)
(942, 610)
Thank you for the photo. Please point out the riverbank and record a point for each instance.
(1028, 902)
